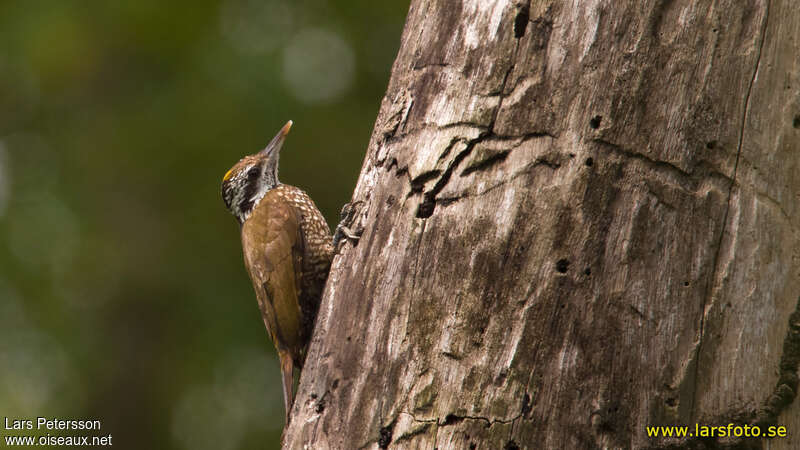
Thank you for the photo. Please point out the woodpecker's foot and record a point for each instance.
(344, 230)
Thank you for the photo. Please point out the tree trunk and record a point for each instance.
(580, 219)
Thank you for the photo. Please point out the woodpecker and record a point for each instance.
(287, 247)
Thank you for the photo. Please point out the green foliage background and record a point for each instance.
(123, 296)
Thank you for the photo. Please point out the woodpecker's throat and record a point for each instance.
(244, 190)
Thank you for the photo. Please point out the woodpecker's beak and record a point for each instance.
(276, 143)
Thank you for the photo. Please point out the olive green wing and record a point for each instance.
(272, 250)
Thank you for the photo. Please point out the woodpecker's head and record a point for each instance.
(252, 177)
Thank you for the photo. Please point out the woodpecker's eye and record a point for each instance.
(254, 172)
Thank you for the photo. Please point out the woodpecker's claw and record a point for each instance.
(343, 230)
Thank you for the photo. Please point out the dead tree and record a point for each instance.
(580, 219)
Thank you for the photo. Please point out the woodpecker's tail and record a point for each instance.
(287, 373)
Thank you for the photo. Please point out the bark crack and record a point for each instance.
(430, 200)
(502, 91)
(453, 419)
(708, 303)
(414, 279)
(457, 124)
(445, 201)
(653, 163)
(428, 204)
(777, 205)
(703, 171)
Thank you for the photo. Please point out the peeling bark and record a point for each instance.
(579, 219)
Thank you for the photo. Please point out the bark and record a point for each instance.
(579, 219)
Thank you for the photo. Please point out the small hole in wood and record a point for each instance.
(595, 122)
